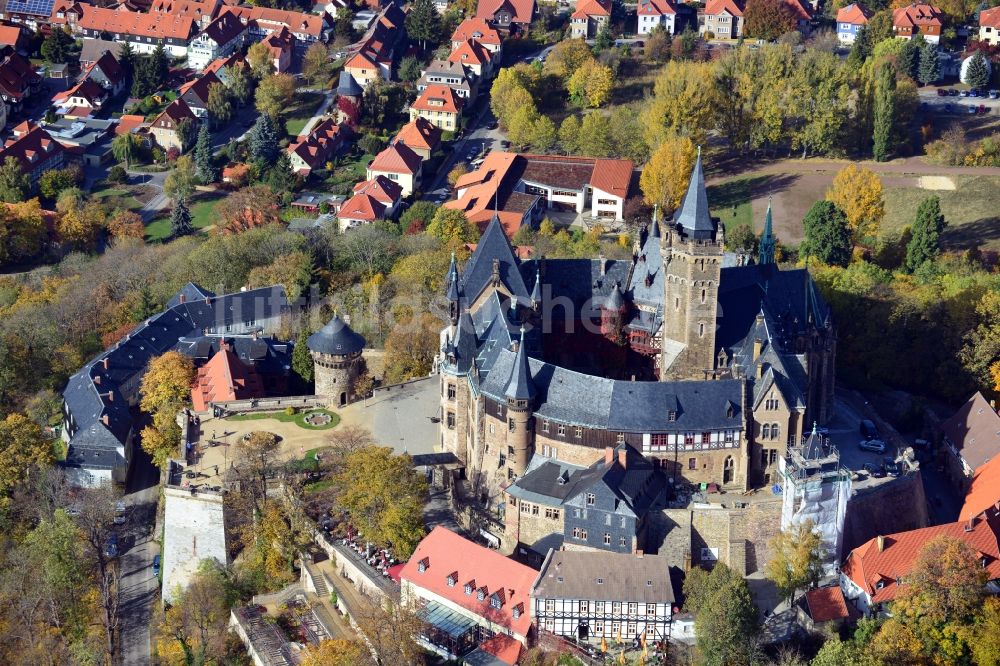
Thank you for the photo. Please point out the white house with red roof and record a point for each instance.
(874, 573)
(35, 150)
(399, 164)
(653, 13)
(475, 57)
(989, 26)
(588, 18)
(281, 43)
(722, 18)
(439, 105)
(375, 199)
(850, 20)
(918, 18)
(479, 30)
(81, 100)
(421, 136)
(470, 598)
(220, 38)
(164, 127)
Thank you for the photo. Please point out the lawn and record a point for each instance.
(202, 215)
(970, 209)
(117, 197)
(724, 197)
(301, 111)
(352, 170)
(298, 418)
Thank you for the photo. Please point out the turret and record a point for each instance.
(454, 291)
(520, 394)
(336, 353)
(766, 253)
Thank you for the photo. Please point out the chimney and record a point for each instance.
(106, 420)
(757, 344)
(105, 362)
(881, 543)
(687, 561)
(602, 263)
(760, 370)
(623, 457)
(970, 524)
(182, 298)
(97, 380)
(639, 553)
(609, 455)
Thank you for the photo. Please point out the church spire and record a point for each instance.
(765, 255)
(520, 386)
(693, 215)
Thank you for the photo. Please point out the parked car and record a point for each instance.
(973, 93)
(156, 565)
(873, 445)
(119, 513)
(994, 94)
(874, 470)
(891, 466)
(953, 93)
(973, 110)
(983, 109)
(868, 429)
(963, 93)
(493, 125)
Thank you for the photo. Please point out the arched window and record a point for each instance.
(775, 431)
(766, 431)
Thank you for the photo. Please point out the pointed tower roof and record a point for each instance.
(615, 300)
(347, 86)
(765, 255)
(654, 225)
(520, 386)
(536, 291)
(336, 338)
(493, 245)
(812, 449)
(693, 214)
(454, 291)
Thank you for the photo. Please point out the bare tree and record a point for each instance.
(258, 452)
(96, 522)
(343, 442)
(391, 629)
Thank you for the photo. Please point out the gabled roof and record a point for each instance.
(572, 574)
(129, 123)
(523, 10)
(974, 431)
(478, 29)
(225, 378)
(93, 49)
(470, 52)
(854, 14)
(153, 25)
(442, 553)
(31, 148)
(876, 569)
(232, 60)
(194, 9)
(800, 10)
(438, 97)
(396, 158)
(655, 8)
(419, 133)
(693, 215)
(587, 8)
(990, 18)
(87, 89)
(16, 74)
(493, 247)
(612, 176)
(109, 67)
(731, 7)
(827, 603)
(916, 16)
(319, 145)
(224, 29)
(347, 86)
(176, 111)
(9, 35)
(196, 91)
(381, 188)
(280, 40)
(297, 22)
(984, 492)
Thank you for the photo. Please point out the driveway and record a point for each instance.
(477, 136)
(400, 417)
(155, 180)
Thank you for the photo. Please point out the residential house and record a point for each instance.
(65, 14)
(195, 93)
(144, 32)
(874, 573)
(802, 14)
(850, 20)
(972, 438)
(164, 126)
(476, 58)
(452, 74)
(202, 12)
(93, 49)
(35, 150)
(306, 28)
(421, 136)
(13, 36)
(18, 79)
(312, 151)
(989, 26)
(653, 13)
(507, 15)
(375, 199)
(479, 30)
(467, 595)
(824, 608)
(31, 13)
(440, 105)
(589, 17)
(918, 18)
(722, 18)
(281, 44)
(107, 72)
(375, 54)
(130, 123)
(220, 38)
(221, 66)
(81, 100)
(331, 7)
(399, 164)
(596, 597)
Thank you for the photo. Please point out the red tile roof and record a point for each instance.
(503, 647)
(420, 133)
(984, 492)
(109, 66)
(585, 8)
(800, 10)
(176, 111)
(371, 199)
(194, 9)
(612, 176)
(88, 89)
(974, 430)
(225, 378)
(199, 87)
(716, 7)
(319, 145)
(445, 554)
(916, 16)
(298, 22)
(9, 35)
(476, 28)
(381, 189)
(280, 41)
(396, 158)
(522, 10)
(826, 604)
(30, 147)
(234, 60)
(16, 74)
(129, 123)
(470, 52)
(876, 570)
(655, 8)
(854, 14)
(155, 26)
(438, 98)
(990, 18)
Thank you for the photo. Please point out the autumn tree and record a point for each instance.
(384, 496)
(591, 84)
(336, 652)
(260, 60)
(797, 559)
(665, 178)
(179, 184)
(768, 19)
(196, 622)
(410, 348)
(14, 182)
(828, 236)
(293, 271)
(219, 104)
(316, 64)
(125, 147)
(594, 139)
(126, 224)
(391, 630)
(79, 226)
(858, 192)
(925, 243)
(258, 453)
(249, 208)
(239, 84)
(682, 103)
(22, 231)
(726, 621)
(456, 172)
(569, 134)
(566, 57)
(884, 113)
(985, 641)
(166, 382)
(274, 94)
(23, 446)
(451, 227)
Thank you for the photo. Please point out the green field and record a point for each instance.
(117, 197)
(724, 196)
(970, 209)
(301, 110)
(202, 215)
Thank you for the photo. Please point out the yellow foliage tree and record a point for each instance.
(591, 84)
(896, 644)
(336, 652)
(167, 382)
(78, 227)
(451, 227)
(858, 192)
(260, 59)
(22, 445)
(410, 347)
(567, 57)
(161, 440)
(683, 102)
(274, 94)
(796, 559)
(126, 224)
(22, 230)
(520, 127)
(665, 178)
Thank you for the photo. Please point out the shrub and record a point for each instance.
(116, 174)
(290, 411)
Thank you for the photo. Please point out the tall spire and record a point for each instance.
(693, 214)
(765, 255)
(520, 385)
(654, 226)
(454, 289)
(536, 291)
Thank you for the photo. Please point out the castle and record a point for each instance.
(707, 363)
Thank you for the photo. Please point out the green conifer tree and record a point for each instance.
(204, 168)
(925, 242)
(302, 363)
(180, 220)
(424, 23)
(930, 66)
(883, 115)
(263, 141)
(977, 75)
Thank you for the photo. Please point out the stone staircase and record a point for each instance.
(317, 580)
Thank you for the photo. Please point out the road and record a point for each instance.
(477, 136)
(154, 179)
(139, 589)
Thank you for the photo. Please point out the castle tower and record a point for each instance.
(336, 353)
(520, 394)
(692, 255)
(768, 243)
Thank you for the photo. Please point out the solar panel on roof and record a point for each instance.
(36, 7)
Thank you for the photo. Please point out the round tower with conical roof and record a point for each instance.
(336, 354)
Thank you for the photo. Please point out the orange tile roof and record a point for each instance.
(438, 98)
(298, 22)
(361, 60)
(9, 34)
(990, 18)
(157, 26)
(916, 16)
(362, 207)
(585, 8)
(869, 567)
(195, 9)
(420, 133)
(974, 430)
(612, 176)
(280, 41)
(716, 7)
(984, 492)
(128, 123)
(28, 146)
(381, 188)
(503, 647)
(88, 89)
(801, 11)
(476, 28)
(444, 553)
(470, 52)
(234, 60)
(396, 158)
(319, 145)
(225, 378)
(854, 14)
(655, 8)
(523, 10)
(826, 603)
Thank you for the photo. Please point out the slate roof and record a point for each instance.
(693, 215)
(347, 86)
(545, 481)
(336, 338)
(571, 574)
(478, 273)
(579, 280)
(974, 431)
(520, 385)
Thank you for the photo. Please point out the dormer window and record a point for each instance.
(879, 585)
(517, 611)
(468, 589)
(452, 579)
(591, 499)
(481, 594)
(671, 416)
(495, 601)
(423, 564)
